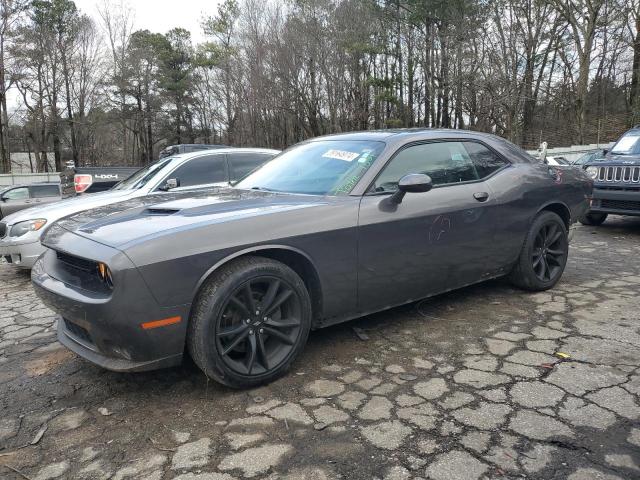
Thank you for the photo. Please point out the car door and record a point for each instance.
(241, 163)
(41, 194)
(430, 242)
(197, 172)
(15, 199)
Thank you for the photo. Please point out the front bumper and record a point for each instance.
(70, 338)
(616, 201)
(106, 328)
(22, 255)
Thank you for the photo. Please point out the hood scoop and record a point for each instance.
(161, 211)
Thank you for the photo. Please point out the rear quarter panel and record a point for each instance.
(526, 189)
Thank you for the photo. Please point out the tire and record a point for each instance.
(593, 219)
(529, 272)
(243, 352)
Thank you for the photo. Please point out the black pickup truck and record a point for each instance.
(616, 177)
(77, 180)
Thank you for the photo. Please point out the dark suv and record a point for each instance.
(616, 178)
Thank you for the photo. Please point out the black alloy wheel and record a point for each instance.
(249, 322)
(259, 326)
(544, 253)
(549, 254)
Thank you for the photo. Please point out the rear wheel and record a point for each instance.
(250, 321)
(544, 254)
(593, 219)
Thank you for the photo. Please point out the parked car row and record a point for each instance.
(79, 180)
(21, 232)
(236, 274)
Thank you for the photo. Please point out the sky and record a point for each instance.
(161, 15)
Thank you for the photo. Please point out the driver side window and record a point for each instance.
(445, 162)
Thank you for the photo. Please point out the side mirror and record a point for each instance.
(412, 183)
(4, 199)
(169, 184)
(605, 151)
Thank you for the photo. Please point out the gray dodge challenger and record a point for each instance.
(333, 228)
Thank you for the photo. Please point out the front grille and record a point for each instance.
(620, 204)
(80, 272)
(77, 262)
(619, 174)
(3, 229)
(78, 332)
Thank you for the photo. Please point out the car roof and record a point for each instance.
(406, 134)
(219, 151)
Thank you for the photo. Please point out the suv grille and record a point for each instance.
(619, 174)
(3, 230)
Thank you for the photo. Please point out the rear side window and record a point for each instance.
(44, 191)
(201, 171)
(485, 161)
(243, 163)
(21, 193)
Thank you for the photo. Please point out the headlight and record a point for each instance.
(21, 228)
(592, 172)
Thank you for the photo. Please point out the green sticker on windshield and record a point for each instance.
(363, 164)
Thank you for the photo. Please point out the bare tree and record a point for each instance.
(10, 14)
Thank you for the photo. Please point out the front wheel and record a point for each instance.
(250, 321)
(544, 254)
(593, 219)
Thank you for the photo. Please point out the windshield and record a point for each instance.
(142, 176)
(628, 144)
(324, 167)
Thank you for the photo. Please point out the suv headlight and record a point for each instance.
(19, 229)
(592, 172)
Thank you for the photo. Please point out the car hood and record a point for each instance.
(136, 219)
(56, 210)
(609, 160)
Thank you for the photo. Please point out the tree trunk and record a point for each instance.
(635, 79)
(5, 156)
(72, 127)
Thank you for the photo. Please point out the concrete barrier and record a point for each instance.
(573, 152)
(26, 178)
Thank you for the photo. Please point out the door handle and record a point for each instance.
(481, 196)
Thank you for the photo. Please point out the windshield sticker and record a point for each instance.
(365, 157)
(341, 155)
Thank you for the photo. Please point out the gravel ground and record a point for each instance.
(486, 382)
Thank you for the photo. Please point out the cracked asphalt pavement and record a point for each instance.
(485, 382)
